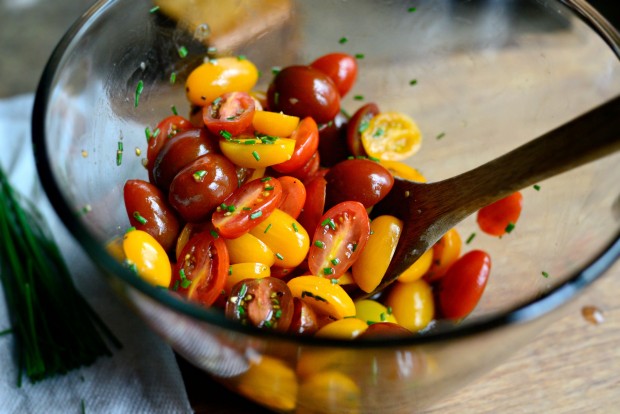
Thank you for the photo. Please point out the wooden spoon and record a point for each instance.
(430, 210)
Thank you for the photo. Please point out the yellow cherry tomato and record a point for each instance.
(275, 124)
(391, 136)
(148, 256)
(323, 295)
(369, 268)
(412, 304)
(445, 252)
(253, 153)
(271, 382)
(418, 268)
(329, 392)
(348, 328)
(346, 279)
(219, 76)
(372, 311)
(286, 238)
(402, 170)
(247, 248)
(240, 271)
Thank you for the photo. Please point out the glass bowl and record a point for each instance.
(480, 78)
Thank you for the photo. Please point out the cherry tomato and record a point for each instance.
(248, 249)
(275, 124)
(178, 151)
(246, 207)
(232, 112)
(330, 391)
(314, 206)
(309, 169)
(339, 239)
(148, 210)
(305, 321)
(461, 288)
(445, 252)
(372, 312)
(332, 141)
(189, 231)
(254, 153)
(306, 137)
(167, 128)
(264, 303)
(147, 257)
(201, 186)
(357, 125)
(412, 304)
(200, 274)
(304, 91)
(340, 67)
(391, 136)
(500, 217)
(382, 330)
(323, 295)
(241, 271)
(349, 328)
(358, 180)
(219, 76)
(293, 196)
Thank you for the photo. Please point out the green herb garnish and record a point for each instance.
(139, 89)
(182, 51)
(470, 238)
(139, 218)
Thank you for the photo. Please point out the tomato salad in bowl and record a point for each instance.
(260, 203)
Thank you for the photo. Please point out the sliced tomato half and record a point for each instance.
(232, 112)
(339, 239)
(306, 137)
(247, 206)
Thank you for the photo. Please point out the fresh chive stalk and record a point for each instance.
(55, 329)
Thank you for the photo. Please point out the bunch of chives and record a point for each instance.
(55, 329)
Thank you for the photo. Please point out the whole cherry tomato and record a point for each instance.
(247, 206)
(264, 303)
(340, 67)
(306, 137)
(461, 288)
(358, 180)
(200, 274)
(178, 151)
(304, 91)
(332, 141)
(310, 216)
(500, 217)
(148, 210)
(166, 128)
(339, 239)
(293, 196)
(201, 186)
(357, 125)
(232, 112)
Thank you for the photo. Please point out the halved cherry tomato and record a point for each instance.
(148, 210)
(166, 128)
(500, 217)
(358, 180)
(265, 303)
(339, 239)
(200, 274)
(275, 124)
(306, 137)
(232, 112)
(246, 207)
(391, 136)
(293, 196)
(253, 153)
(445, 252)
(305, 320)
(357, 125)
(401, 170)
(340, 67)
(310, 216)
(461, 288)
(309, 169)
(189, 231)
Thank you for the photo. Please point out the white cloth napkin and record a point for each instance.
(142, 377)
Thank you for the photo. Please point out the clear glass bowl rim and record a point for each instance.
(519, 314)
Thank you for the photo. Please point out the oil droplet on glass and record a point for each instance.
(202, 32)
(84, 153)
(593, 315)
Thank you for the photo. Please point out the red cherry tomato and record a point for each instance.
(231, 112)
(306, 137)
(178, 151)
(339, 239)
(310, 216)
(340, 67)
(246, 207)
(358, 180)
(265, 303)
(500, 217)
(309, 169)
(167, 128)
(358, 124)
(293, 196)
(463, 284)
(201, 272)
(332, 141)
(305, 320)
(148, 210)
(304, 91)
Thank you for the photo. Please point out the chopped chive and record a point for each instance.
(132, 228)
(243, 291)
(375, 159)
(328, 271)
(335, 261)
(82, 403)
(182, 274)
(334, 281)
(175, 287)
(185, 283)
(199, 175)
(370, 323)
(247, 208)
(378, 133)
(230, 270)
(154, 9)
(441, 135)
(275, 70)
(226, 135)
(265, 179)
(319, 244)
(411, 9)
(343, 40)
(413, 82)
(139, 218)
(354, 247)
(6, 332)
(389, 310)
(156, 132)
(182, 51)
(510, 227)
(359, 97)
(279, 256)
(119, 153)
(139, 89)
(329, 222)
(536, 187)
(241, 57)
(256, 214)
(173, 78)
(383, 317)
(256, 156)
(545, 274)
(147, 133)
(231, 208)
(267, 229)
(214, 234)
(363, 126)
(278, 314)
(174, 110)
(359, 56)
(470, 238)
(295, 227)
(249, 142)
